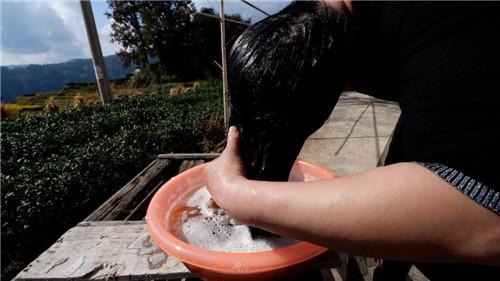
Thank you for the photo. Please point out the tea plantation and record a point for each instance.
(58, 167)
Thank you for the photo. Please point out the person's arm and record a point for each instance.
(402, 211)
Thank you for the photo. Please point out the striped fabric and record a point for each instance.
(482, 194)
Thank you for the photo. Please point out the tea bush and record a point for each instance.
(58, 167)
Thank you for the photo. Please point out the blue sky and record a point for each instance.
(41, 32)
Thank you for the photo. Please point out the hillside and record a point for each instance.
(23, 80)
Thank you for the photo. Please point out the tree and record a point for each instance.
(207, 47)
(185, 43)
(167, 24)
(127, 29)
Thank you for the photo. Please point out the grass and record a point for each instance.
(23, 107)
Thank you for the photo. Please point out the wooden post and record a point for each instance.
(225, 86)
(95, 50)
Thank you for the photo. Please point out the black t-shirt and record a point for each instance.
(441, 61)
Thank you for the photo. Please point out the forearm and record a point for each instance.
(398, 212)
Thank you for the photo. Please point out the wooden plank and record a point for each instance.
(188, 164)
(118, 250)
(141, 205)
(139, 211)
(110, 209)
(189, 156)
(104, 250)
(327, 275)
(129, 201)
(385, 152)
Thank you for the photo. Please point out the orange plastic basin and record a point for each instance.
(213, 265)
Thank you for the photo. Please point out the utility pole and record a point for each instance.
(225, 86)
(95, 48)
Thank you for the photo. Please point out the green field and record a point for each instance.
(59, 166)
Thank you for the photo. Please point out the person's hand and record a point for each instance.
(224, 174)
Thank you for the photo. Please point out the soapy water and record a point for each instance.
(200, 222)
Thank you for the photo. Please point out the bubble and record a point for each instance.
(204, 225)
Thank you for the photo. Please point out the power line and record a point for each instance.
(209, 3)
(255, 7)
(230, 8)
(226, 19)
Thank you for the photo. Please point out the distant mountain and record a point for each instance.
(28, 79)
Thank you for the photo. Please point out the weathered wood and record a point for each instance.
(116, 204)
(189, 156)
(327, 275)
(141, 205)
(385, 152)
(118, 250)
(104, 250)
(188, 164)
(130, 201)
(225, 83)
(139, 211)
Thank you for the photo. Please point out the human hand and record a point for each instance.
(224, 174)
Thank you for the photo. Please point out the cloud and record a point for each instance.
(33, 32)
(107, 47)
(46, 32)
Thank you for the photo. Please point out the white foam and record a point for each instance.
(213, 229)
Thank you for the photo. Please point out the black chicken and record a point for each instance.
(285, 75)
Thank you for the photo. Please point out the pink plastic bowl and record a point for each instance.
(213, 265)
